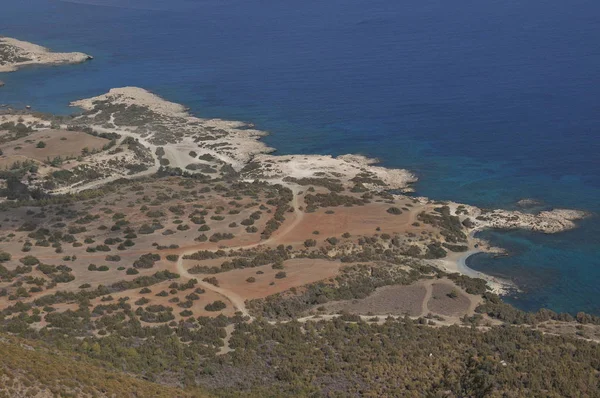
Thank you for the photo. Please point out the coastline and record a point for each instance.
(457, 263)
(170, 126)
(234, 144)
(17, 54)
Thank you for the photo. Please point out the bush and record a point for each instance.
(332, 241)
(146, 260)
(310, 243)
(142, 301)
(215, 306)
(201, 238)
(29, 260)
(4, 256)
(394, 210)
(212, 280)
(280, 275)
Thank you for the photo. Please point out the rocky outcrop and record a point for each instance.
(15, 54)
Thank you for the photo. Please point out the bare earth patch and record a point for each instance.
(57, 143)
(357, 220)
(299, 272)
(395, 300)
(441, 302)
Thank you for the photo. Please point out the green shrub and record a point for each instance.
(215, 306)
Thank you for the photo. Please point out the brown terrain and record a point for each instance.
(134, 239)
(67, 144)
(182, 215)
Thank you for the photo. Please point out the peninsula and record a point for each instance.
(15, 54)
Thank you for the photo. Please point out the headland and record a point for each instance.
(15, 54)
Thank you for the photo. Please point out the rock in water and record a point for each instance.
(529, 202)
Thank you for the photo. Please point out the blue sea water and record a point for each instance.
(488, 102)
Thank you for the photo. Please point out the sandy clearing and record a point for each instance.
(440, 303)
(58, 143)
(395, 300)
(357, 220)
(299, 272)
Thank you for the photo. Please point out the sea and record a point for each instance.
(487, 102)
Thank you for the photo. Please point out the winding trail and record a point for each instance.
(428, 293)
(237, 301)
(77, 187)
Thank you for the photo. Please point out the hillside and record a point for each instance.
(31, 369)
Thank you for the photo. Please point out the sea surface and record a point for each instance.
(488, 102)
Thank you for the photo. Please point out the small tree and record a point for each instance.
(41, 144)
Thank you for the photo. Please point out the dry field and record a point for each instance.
(299, 272)
(67, 144)
(393, 300)
(141, 244)
(426, 297)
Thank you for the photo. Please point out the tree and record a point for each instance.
(41, 144)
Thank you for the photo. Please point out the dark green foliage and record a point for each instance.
(280, 275)
(451, 227)
(29, 260)
(471, 285)
(215, 306)
(455, 248)
(394, 210)
(434, 250)
(331, 200)
(310, 243)
(146, 260)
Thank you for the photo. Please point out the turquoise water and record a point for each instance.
(487, 102)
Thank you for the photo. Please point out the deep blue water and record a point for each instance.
(487, 102)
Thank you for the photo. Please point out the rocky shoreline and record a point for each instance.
(15, 54)
(225, 147)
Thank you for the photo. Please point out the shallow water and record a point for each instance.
(487, 102)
